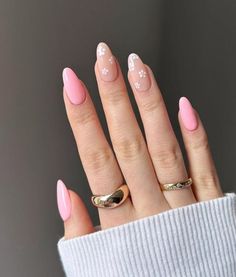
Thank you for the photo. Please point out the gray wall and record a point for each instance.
(191, 46)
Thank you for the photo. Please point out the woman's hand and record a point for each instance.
(143, 164)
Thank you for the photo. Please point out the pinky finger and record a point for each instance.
(206, 184)
(73, 212)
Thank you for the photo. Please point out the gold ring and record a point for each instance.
(112, 200)
(180, 185)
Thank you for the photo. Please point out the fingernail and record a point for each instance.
(187, 114)
(63, 200)
(106, 63)
(73, 86)
(139, 73)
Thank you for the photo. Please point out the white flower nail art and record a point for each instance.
(105, 71)
(101, 50)
(132, 57)
(142, 74)
(111, 60)
(137, 85)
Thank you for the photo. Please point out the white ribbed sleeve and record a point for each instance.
(195, 240)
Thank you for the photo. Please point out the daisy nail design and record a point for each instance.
(105, 71)
(111, 60)
(138, 73)
(106, 63)
(142, 74)
(137, 85)
(101, 50)
(132, 58)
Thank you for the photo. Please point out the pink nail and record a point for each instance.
(63, 200)
(139, 73)
(73, 86)
(187, 114)
(106, 63)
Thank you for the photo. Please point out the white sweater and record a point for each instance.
(195, 240)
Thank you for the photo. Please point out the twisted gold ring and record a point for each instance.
(175, 186)
(112, 200)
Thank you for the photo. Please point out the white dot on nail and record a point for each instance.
(137, 85)
(105, 71)
(142, 74)
(101, 50)
(111, 60)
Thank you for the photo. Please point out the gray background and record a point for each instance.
(190, 45)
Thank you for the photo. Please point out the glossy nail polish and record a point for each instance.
(139, 73)
(106, 63)
(187, 114)
(63, 200)
(73, 86)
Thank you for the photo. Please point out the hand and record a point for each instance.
(142, 163)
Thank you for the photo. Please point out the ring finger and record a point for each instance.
(161, 140)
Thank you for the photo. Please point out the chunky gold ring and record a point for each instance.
(180, 185)
(112, 200)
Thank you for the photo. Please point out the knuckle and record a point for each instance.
(114, 96)
(168, 158)
(98, 158)
(83, 118)
(199, 144)
(207, 182)
(128, 148)
(150, 106)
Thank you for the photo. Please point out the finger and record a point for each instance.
(201, 165)
(97, 157)
(74, 214)
(126, 136)
(162, 143)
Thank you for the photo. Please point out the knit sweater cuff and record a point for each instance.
(195, 240)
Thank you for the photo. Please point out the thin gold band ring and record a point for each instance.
(175, 186)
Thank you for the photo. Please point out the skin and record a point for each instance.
(143, 163)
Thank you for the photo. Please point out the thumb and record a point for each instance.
(77, 221)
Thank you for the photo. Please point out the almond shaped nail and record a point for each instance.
(106, 63)
(187, 114)
(139, 73)
(73, 86)
(63, 201)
